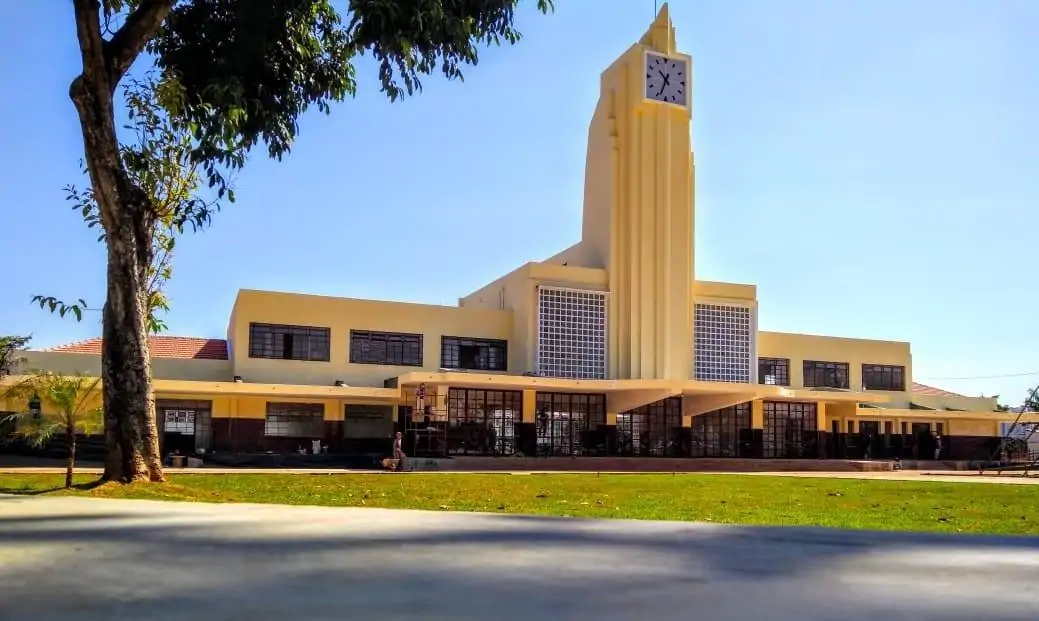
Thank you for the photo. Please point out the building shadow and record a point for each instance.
(331, 563)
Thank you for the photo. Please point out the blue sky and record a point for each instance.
(870, 164)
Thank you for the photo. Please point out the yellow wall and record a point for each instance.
(68, 363)
(956, 402)
(343, 314)
(736, 292)
(516, 292)
(856, 352)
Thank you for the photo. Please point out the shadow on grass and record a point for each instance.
(26, 490)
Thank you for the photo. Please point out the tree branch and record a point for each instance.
(88, 31)
(128, 42)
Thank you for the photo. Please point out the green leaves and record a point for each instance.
(9, 358)
(55, 305)
(411, 39)
(67, 402)
(244, 71)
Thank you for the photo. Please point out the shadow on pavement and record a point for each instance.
(326, 563)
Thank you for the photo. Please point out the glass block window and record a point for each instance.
(722, 343)
(571, 333)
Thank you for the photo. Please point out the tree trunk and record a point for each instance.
(131, 435)
(70, 434)
(131, 438)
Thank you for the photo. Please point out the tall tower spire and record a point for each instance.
(638, 212)
(661, 34)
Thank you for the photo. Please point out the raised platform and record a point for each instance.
(642, 464)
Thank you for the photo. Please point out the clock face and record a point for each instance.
(667, 79)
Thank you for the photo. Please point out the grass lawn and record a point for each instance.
(843, 503)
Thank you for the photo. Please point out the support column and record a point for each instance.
(822, 445)
(530, 404)
(687, 412)
(756, 441)
(526, 431)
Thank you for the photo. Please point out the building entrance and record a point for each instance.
(483, 422)
(571, 424)
(187, 426)
(790, 430)
(651, 430)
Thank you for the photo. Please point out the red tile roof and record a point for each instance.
(924, 389)
(183, 347)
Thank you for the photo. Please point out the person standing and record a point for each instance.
(398, 451)
(937, 447)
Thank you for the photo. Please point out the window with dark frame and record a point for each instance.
(722, 433)
(285, 342)
(389, 348)
(457, 352)
(824, 374)
(774, 371)
(483, 422)
(295, 420)
(564, 422)
(787, 428)
(884, 377)
(651, 430)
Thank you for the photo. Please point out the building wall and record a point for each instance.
(956, 402)
(856, 352)
(67, 363)
(517, 292)
(341, 315)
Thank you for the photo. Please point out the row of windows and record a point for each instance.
(824, 374)
(371, 347)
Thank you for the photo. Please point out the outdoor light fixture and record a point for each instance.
(35, 407)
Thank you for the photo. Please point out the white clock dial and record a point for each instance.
(667, 79)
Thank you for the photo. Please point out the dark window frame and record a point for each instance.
(313, 342)
(395, 349)
(780, 368)
(281, 414)
(483, 422)
(789, 429)
(493, 353)
(723, 433)
(826, 374)
(569, 424)
(890, 377)
(652, 430)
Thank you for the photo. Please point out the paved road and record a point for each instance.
(98, 560)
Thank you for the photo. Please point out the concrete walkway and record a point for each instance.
(947, 476)
(98, 560)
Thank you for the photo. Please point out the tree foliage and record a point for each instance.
(9, 356)
(54, 406)
(233, 75)
(158, 160)
(247, 70)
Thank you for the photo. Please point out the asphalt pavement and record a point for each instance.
(99, 560)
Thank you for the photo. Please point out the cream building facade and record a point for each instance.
(611, 347)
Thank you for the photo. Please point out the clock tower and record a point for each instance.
(638, 211)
